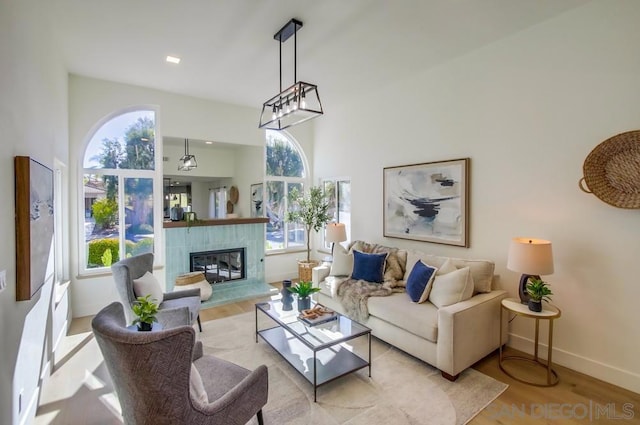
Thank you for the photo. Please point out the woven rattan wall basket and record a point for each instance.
(612, 171)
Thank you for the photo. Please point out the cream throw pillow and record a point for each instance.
(447, 267)
(196, 386)
(148, 285)
(451, 288)
(342, 264)
(481, 270)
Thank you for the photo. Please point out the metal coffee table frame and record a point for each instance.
(317, 352)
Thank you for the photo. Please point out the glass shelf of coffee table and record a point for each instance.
(319, 352)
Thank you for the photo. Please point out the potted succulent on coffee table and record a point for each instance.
(311, 210)
(145, 311)
(304, 290)
(538, 291)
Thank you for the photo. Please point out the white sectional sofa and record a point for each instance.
(452, 337)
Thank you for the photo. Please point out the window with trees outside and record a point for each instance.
(119, 167)
(338, 192)
(285, 171)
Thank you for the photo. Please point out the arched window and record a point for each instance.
(118, 171)
(286, 169)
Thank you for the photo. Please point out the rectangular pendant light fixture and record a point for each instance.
(295, 104)
(187, 162)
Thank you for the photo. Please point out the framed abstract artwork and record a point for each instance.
(428, 202)
(34, 226)
(256, 200)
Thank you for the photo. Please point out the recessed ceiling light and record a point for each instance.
(173, 59)
(209, 143)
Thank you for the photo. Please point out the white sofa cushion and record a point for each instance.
(481, 270)
(397, 309)
(329, 286)
(342, 264)
(451, 288)
(147, 284)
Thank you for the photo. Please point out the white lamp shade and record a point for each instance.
(530, 256)
(336, 232)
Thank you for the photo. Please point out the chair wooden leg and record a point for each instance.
(259, 416)
(199, 324)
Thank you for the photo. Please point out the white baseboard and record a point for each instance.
(28, 414)
(46, 371)
(61, 335)
(604, 372)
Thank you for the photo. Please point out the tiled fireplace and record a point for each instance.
(246, 235)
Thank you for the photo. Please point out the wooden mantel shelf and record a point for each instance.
(215, 222)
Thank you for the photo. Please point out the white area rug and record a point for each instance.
(402, 390)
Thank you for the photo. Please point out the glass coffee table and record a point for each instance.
(319, 352)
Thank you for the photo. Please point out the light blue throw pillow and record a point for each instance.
(369, 267)
(419, 281)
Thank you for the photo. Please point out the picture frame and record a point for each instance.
(257, 204)
(34, 225)
(428, 202)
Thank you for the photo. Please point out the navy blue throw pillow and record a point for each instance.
(369, 267)
(420, 279)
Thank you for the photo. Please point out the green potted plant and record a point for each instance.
(145, 311)
(304, 290)
(538, 291)
(311, 210)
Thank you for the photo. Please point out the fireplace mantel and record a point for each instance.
(215, 222)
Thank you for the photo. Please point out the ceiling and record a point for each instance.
(229, 54)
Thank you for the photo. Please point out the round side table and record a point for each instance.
(550, 313)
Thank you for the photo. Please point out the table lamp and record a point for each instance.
(335, 232)
(531, 257)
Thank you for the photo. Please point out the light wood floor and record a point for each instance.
(577, 399)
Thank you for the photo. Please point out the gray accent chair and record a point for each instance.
(151, 372)
(177, 309)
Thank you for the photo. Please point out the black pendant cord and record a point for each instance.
(295, 54)
(280, 45)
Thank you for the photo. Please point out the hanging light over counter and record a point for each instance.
(187, 162)
(297, 103)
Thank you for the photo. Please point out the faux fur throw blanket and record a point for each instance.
(354, 294)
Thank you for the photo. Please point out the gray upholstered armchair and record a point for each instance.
(151, 372)
(177, 309)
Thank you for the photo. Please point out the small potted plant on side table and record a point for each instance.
(304, 291)
(145, 310)
(538, 291)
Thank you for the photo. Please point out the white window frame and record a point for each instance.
(305, 181)
(326, 246)
(61, 222)
(155, 175)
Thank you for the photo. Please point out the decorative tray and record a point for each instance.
(316, 315)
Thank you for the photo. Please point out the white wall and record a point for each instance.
(212, 162)
(90, 100)
(33, 122)
(527, 110)
(249, 170)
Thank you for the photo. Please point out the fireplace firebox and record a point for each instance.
(220, 265)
